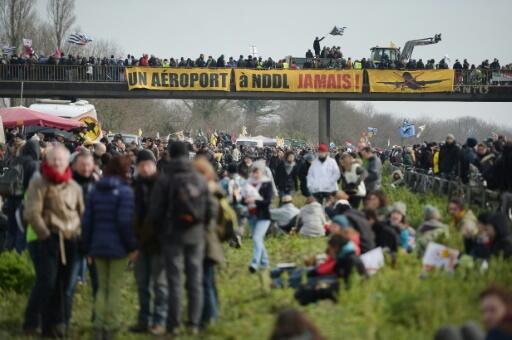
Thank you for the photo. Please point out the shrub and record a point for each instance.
(16, 272)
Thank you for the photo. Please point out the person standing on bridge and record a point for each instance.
(323, 175)
(316, 46)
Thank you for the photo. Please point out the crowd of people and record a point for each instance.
(487, 163)
(166, 207)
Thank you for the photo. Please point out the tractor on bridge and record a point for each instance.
(393, 55)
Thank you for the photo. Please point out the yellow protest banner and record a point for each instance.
(299, 80)
(178, 79)
(399, 81)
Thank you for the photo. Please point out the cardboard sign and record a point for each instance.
(440, 256)
(373, 260)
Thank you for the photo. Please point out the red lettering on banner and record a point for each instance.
(357, 82)
(300, 81)
(346, 81)
(320, 81)
(308, 81)
(331, 81)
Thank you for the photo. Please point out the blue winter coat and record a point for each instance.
(107, 226)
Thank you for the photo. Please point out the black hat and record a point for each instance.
(145, 155)
(178, 149)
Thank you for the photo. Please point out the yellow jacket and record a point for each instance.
(435, 163)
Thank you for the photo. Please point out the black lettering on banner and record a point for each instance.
(256, 80)
(285, 82)
(165, 78)
(132, 78)
(183, 80)
(244, 81)
(193, 78)
(223, 77)
(266, 81)
(142, 78)
(276, 81)
(173, 80)
(155, 79)
(214, 80)
(203, 79)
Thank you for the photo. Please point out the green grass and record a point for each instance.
(394, 304)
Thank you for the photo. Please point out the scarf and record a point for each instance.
(53, 176)
(288, 167)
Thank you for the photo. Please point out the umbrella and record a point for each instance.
(21, 116)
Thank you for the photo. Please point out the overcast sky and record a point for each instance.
(472, 29)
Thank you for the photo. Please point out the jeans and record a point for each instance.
(47, 300)
(149, 272)
(107, 315)
(258, 231)
(210, 307)
(187, 258)
(79, 268)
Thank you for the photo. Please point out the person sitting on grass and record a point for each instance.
(464, 220)
(286, 215)
(311, 219)
(292, 324)
(431, 230)
(346, 263)
(494, 236)
(337, 205)
(340, 225)
(386, 236)
(323, 269)
(377, 201)
(398, 221)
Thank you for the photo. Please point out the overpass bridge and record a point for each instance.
(105, 81)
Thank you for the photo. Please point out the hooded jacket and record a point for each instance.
(502, 243)
(323, 176)
(30, 155)
(107, 225)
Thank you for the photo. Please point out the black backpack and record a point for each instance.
(11, 178)
(189, 199)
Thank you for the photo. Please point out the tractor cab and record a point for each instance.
(388, 54)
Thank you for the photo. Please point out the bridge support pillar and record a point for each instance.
(324, 121)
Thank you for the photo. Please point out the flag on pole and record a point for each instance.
(79, 39)
(337, 30)
(407, 130)
(420, 128)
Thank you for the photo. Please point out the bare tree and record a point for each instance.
(62, 17)
(16, 18)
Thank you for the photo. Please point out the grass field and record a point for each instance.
(394, 304)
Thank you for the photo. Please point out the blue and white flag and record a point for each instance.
(337, 30)
(407, 130)
(79, 39)
(373, 130)
(8, 50)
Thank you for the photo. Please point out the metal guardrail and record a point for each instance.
(422, 183)
(115, 73)
(69, 73)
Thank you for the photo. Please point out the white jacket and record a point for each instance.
(323, 177)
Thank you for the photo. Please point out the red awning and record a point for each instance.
(21, 116)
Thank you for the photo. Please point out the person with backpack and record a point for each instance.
(108, 238)
(149, 267)
(13, 185)
(53, 208)
(181, 204)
